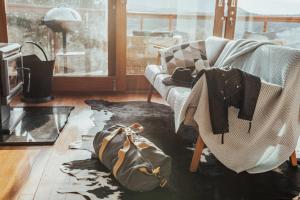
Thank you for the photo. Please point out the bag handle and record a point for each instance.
(135, 128)
(35, 44)
(130, 130)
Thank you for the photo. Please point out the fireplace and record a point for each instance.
(11, 80)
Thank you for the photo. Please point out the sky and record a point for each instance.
(172, 5)
(271, 7)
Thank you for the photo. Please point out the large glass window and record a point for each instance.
(81, 48)
(274, 20)
(155, 24)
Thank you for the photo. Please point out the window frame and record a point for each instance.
(117, 79)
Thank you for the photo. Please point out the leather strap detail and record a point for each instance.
(137, 127)
(142, 145)
(155, 172)
(121, 155)
(134, 129)
(106, 140)
(163, 182)
(145, 170)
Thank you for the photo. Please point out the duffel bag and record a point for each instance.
(135, 162)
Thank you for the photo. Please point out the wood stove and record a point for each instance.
(11, 80)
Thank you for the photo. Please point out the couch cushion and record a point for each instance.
(214, 46)
(154, 74)
(177, 97)
(183, 55)
(161, 87)
(152, 71)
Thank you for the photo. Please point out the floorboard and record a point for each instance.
(28, 173)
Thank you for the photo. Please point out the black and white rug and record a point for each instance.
(212, 181)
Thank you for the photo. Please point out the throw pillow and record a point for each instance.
(189, 55)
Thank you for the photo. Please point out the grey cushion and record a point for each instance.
(161, 87)
(183, 55)
(152, 71)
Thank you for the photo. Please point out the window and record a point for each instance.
(273, 20)
(165, 23)
(85, 50)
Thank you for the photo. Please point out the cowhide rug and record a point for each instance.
(213, 180)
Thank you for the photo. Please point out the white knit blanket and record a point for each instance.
(275, 125)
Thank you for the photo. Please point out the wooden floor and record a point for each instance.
(28, 173)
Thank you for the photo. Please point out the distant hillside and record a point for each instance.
(168, 6)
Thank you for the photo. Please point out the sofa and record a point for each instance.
(215, 50)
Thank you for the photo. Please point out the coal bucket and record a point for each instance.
(38, 77)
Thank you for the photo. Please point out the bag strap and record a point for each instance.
(142, 145)
(133, 129)
(155, 172)
(106, 141)
(121, 155)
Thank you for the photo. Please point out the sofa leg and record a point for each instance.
(197, 154)
(199, 148)
(150, 93)
(293, 159)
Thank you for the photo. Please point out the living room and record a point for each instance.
(136, 99)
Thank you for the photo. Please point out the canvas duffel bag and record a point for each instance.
(135, 162)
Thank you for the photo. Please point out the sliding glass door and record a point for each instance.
(156, 24)
(115, 39)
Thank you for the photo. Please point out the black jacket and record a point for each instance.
(230, 87)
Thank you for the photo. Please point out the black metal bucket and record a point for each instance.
(38, 77)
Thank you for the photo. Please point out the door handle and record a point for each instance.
(233, 3)
(230, 21)
(220, 3)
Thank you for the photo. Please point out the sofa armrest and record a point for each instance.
(214, 46)
(152, 71)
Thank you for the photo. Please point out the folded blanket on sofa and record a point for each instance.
(238, 49)
(275, 125)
